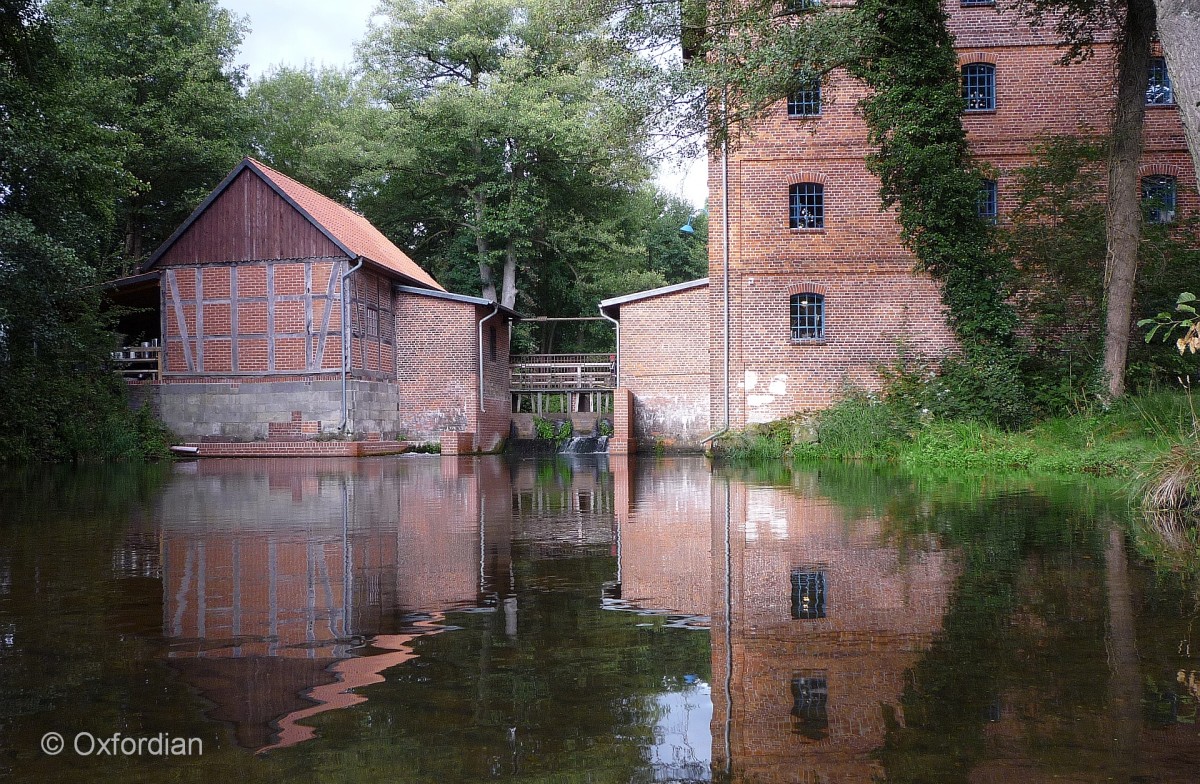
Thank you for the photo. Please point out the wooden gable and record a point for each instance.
(247, 221)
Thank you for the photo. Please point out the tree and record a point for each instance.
(1179, 29)
(505, 148)
(319, 126)
(159, 73)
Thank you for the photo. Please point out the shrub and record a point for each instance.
(861, 426)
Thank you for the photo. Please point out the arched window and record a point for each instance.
(979, 87)
(806, 205)
(1158, 198)
(808, 316)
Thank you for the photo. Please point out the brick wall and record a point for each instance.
(665, 364)
(875, 303)
(252, 318)
(373, 333)
(437, 370)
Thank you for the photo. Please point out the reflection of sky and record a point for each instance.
(682, 749)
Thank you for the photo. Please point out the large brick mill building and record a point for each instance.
(821, 291)
(285, 317)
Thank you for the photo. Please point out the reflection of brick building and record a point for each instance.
(304, 561)
(828, 620)
(665, 536)
(828, 617)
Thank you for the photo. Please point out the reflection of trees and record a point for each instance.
(571, 692)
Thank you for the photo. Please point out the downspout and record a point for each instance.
(617, 325)
(725, 268)
(346, 343)
(495, 310)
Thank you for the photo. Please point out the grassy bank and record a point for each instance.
(1117, 441)
(1148, 444)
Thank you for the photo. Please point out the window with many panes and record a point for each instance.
(805, 102)
(970, 3)
(987, 201)
(806, 205)
(810, 704)
(797, 6)
(808, 317)
(1158, 198)
(808, 594)
(979, 87)
(1158, 91)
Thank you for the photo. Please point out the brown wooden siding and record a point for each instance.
(249, 222)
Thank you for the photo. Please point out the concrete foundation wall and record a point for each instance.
(243, 412)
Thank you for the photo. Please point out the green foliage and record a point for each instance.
(117, 116)
(159, 73)
(914, 119)
(60, 397)
(556, 430)
(504, 144)
(1184, 318)
(604, 427)
(860, 426)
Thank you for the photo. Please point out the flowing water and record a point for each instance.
(583, 619)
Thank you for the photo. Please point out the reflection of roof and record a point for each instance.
(460, 298)
(351, 232)
(616, 302)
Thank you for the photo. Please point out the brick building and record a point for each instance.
(821, 292)
(283, 316)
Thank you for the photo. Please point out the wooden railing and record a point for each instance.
(562, 372)
(139, 363)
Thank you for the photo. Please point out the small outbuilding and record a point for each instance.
(662, 367)
(285, 316)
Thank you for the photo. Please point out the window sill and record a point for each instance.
(970, 112)
(1171, 105)
(809, 342)
(816, 116)
(821, 230)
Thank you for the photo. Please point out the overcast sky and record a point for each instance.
(295, 32)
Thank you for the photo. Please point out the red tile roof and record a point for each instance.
(347, 227)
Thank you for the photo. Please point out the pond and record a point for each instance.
(585, 619)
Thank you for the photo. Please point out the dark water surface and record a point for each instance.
(583, 620)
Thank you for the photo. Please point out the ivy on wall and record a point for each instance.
(914, 120)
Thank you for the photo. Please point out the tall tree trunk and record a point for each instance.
(133, 236)
(1125, 685)
(481, 249)
(1124, 213)
(508, 288)
(1179, 30)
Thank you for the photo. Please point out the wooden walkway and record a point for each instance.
(562, 383)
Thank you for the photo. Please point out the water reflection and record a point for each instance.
(427, 619)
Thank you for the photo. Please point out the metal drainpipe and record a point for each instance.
(725, 265)
(617, 325)
(495, 310)
(346, 343)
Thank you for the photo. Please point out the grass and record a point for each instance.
(1117, 441)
